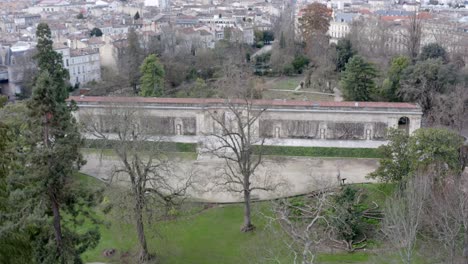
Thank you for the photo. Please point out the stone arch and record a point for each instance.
(404, 123)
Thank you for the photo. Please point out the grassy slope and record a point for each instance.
(212, 236)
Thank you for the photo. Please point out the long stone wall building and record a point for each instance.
(291, 123)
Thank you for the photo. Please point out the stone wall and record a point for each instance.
(297, 122)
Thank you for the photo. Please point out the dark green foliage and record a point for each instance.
(51, 61)
(395, 164)
(428, 149)
(95, 32)
(344, 52)
(321, 152)
(152, 77)
(268, 37)
(41, 198)
(423, 81)
(392, 84)
(265, 37)
(137, 16)
(347, 217)
(80, 16)
(14, 245)
(357, 81)
(433, 51)
(262, 63)
(299, 63)
(437, 149)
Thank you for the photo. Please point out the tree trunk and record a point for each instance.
(247, 219)
(53, 199)
(465, 247)
(56, 222)
(144, 255)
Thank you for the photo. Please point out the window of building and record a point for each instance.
(67, 62)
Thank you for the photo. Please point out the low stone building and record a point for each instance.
(290, 123)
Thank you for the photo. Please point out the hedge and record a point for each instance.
(321, 152)
(267, 150)
(164, 146)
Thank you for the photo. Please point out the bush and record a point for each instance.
(288, 70)
(299, 63)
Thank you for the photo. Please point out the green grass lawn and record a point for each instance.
(283, 83)
(212, 235)
(296, 96)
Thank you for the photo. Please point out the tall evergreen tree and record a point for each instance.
(344, 52)
(357, 81)
(132, 59)
(47, 206)
(392, 84)
(152, 77)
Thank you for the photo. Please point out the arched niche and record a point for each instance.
(404, 123)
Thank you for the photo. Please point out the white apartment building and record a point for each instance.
(219, 21)
(84, 65)
(340, 26)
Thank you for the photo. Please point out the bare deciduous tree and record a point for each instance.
(305, 223)
(403, 215)
(412, 35)
(446, 216)
(142, 163)
(450, 110)
(235, 140)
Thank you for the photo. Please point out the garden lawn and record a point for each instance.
(210, 236)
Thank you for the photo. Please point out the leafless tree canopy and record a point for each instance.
(235, 140)
(142, 164)
(404, 216)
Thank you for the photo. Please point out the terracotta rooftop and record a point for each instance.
(102, 99)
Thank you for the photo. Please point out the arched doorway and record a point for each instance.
(403, 123)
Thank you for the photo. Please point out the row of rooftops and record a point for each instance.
(202, 102)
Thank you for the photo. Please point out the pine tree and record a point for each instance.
(344, 52)
(357, 81)
(51, 150)
(152, 77)
(137, 16)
